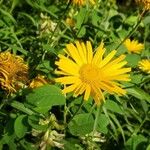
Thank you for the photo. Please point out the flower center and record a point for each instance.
(89, 73)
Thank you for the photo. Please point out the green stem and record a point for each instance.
(133, 29)
(81, 104)
(65, 114)
(138, 129)
(2, 104)
(99, 108)
(60, 19)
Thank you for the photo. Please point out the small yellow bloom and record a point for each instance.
(88, 73)
(133, 46)
(145, 65)
(13, 72)
(70, 22)
(145, 3)
(38, 81)
(82, 2)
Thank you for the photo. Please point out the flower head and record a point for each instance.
(133, 46)
(82, 2)
(145, 3)
(13, 72)
(145, 65)
(84, 72)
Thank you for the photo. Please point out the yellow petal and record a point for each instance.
(67, 80)
(67, 65)
(110, 68)
(99, 54)
(80, 89)
(84, 51)
(89, 52)
(87, 92)
(81, 52)
(73, 52)
(107, 59)
(70, 88)
(99, 98)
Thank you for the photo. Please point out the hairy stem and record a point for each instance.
(99, 108)
(133, 29)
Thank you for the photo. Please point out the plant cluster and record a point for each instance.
(74, 75)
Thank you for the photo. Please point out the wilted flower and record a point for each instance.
(13, 72)
(88, 73)
(82, 2)
(145, 3)
(145, 65)
(133, 46)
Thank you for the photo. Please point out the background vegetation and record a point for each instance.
(43, 118)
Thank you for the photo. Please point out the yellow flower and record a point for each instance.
(145, 65)
(145, 3)
(88, 73)
(70, 22)
(82, 2)
(38, 81)
(13, 72)
(133, 46)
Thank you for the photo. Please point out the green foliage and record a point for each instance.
(19, 127)
(43, 117)
(81, 124)
(133, 59)
(43, 98)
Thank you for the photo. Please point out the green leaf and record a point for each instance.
(145, 106)
(6, 14)
(9, 140)
(45, 97)
(118, 125)
(29, 17)
(114, 107)
(135, 140)
(131, 20)
(70, 144)
(138, 93)
(44, 66)
(95, 18)
(148, 147)
(82, 32)
(81, 17)
(41, 7)
(146, 20)
(20, 127)
(133, 59)
(48, 48)
(103, 121)
(34, 123)
(81, 124)
(27, 146)
(136, 78)
(21, 107)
